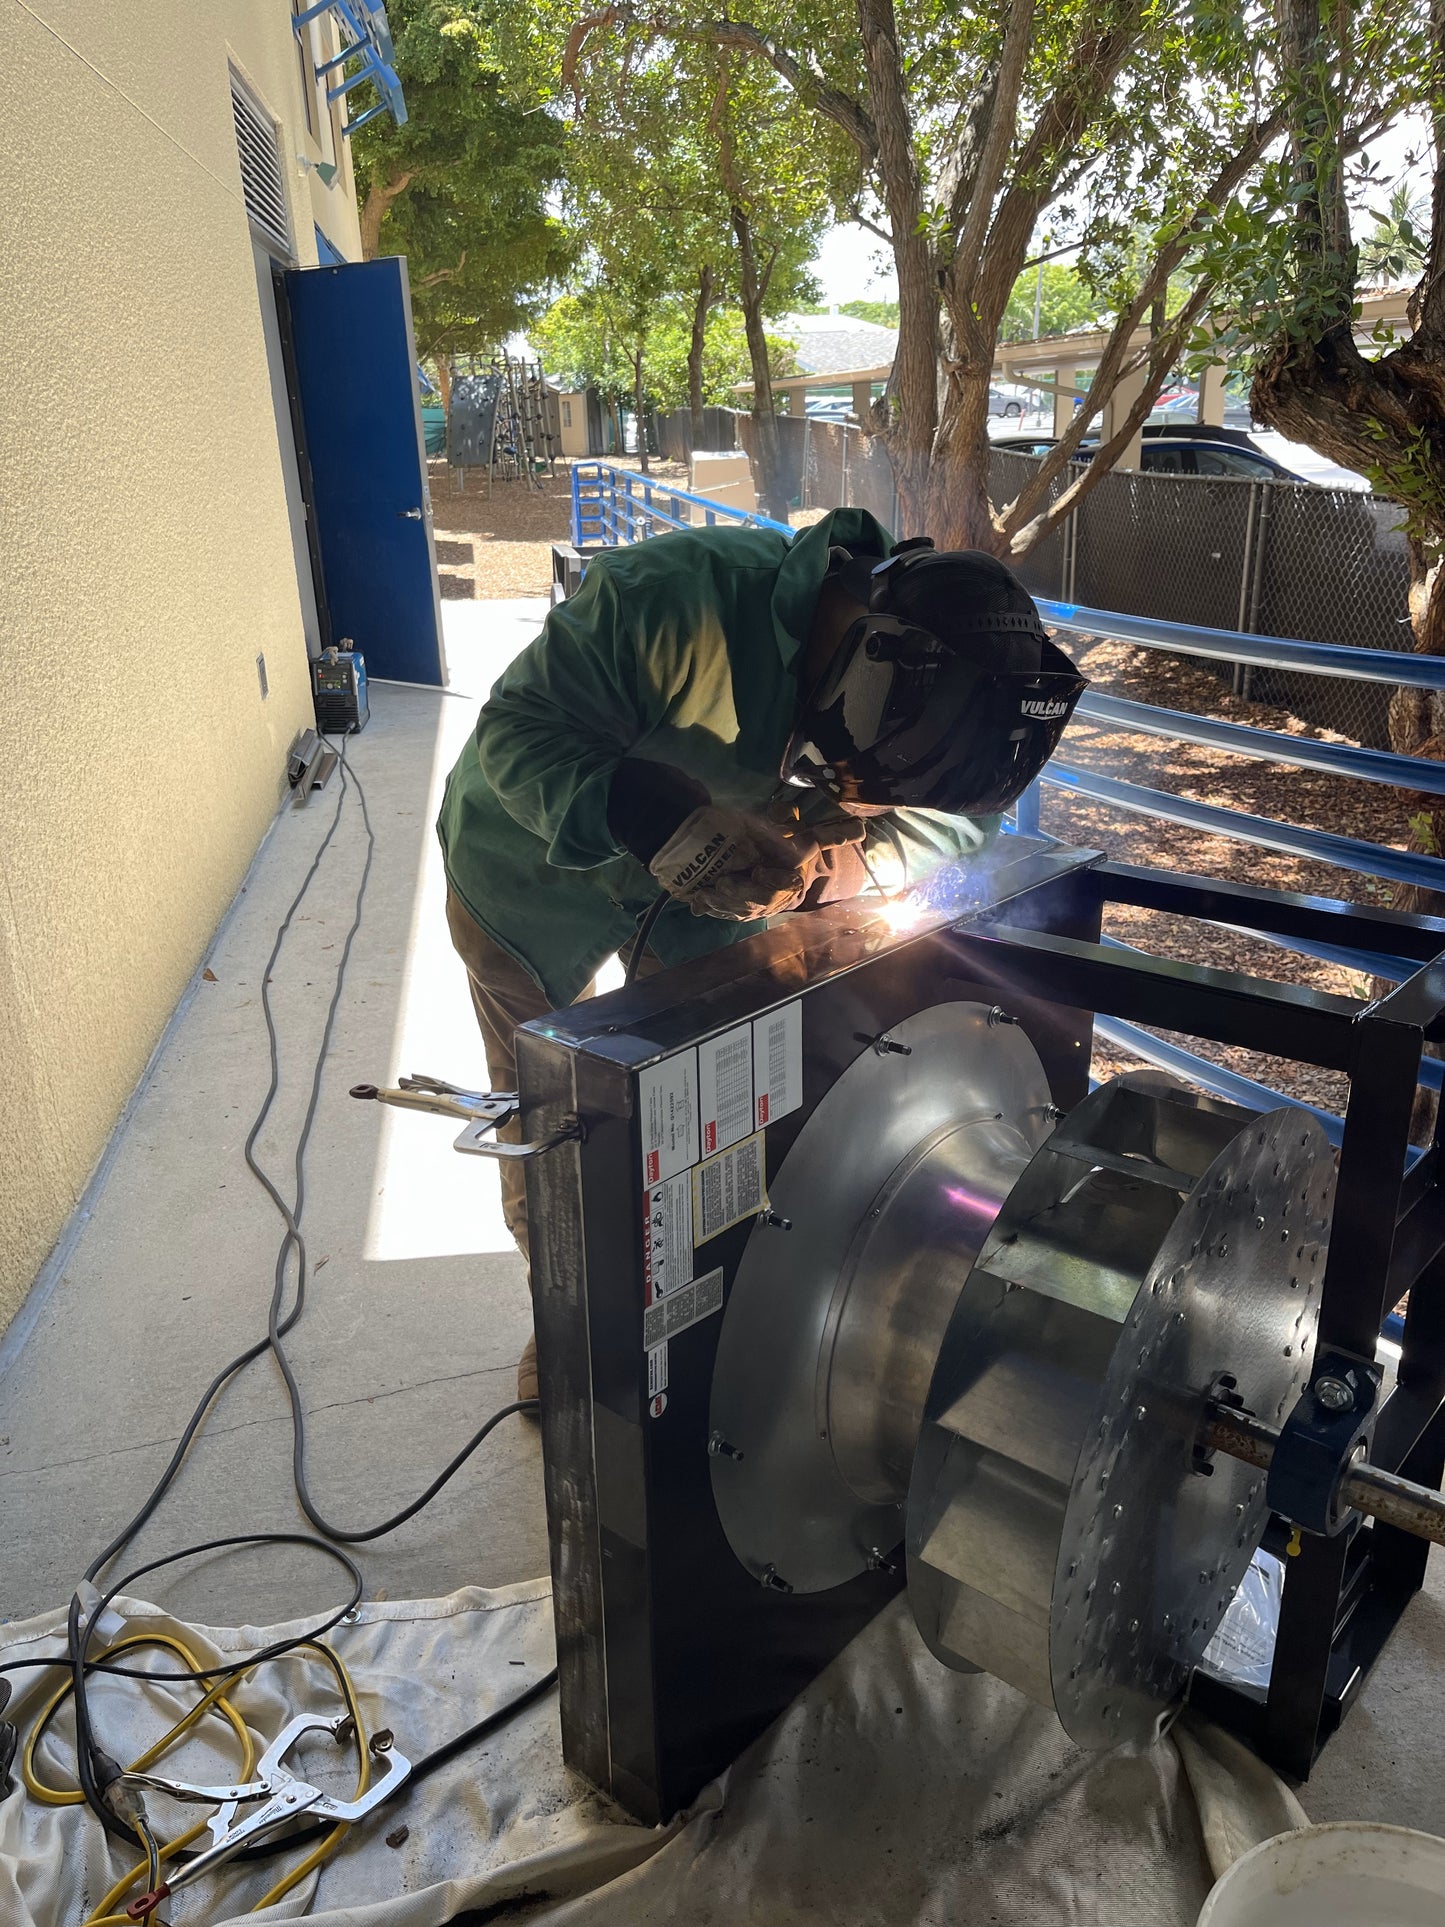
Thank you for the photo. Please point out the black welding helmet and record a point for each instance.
(946, 696)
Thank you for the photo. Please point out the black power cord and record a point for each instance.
(96, 1770)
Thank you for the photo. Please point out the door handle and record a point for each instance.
(409, 515)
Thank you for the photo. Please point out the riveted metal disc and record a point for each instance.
(1152, 1549)
(956, 1119)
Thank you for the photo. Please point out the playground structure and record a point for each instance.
(505, 419)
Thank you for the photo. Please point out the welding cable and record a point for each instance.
(293, 1241)
(215, 1697)
(94, 1768)
(87, 1752)
(640, 941)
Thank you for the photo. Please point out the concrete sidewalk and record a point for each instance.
(417, 1310)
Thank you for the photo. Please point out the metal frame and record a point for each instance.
(649, 1710)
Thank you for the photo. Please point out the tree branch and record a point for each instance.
(1162, 353)
(997, 145)
(803, 74)
(444, 274)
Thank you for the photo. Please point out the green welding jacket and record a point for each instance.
(685, 648)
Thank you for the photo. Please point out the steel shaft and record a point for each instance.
(1383, 1495)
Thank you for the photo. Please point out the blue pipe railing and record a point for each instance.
(1268, 652)
(612, 505)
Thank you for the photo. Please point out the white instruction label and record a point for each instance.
(725, 1087)
(667, 1094)
(680, 1309)
(728, 1188)
(667, 1236)
(657, 1369)
(777, 1064)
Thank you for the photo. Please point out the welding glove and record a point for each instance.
(740, 865)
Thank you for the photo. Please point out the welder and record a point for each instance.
(754, 726)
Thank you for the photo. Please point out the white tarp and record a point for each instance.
(891, 1791)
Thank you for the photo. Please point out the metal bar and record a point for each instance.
(1227, 1008)
(1232, 645)
(1322, 846)
(1212, 1077)
(1368, 962)
(1285, 912)
(1026, 811)
(1380, 1495)
(1267, 745)
(750, 519)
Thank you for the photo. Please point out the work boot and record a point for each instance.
(527, 1370)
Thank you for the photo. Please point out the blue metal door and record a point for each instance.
(355, 362)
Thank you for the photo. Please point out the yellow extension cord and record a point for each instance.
(215, 1696)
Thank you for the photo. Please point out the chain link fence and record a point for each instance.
(1270, 558)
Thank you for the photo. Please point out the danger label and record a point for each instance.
(667, 1236)
(725, 1087)
(657, 1369)
(667, 1099)
(728, 1188)
(777, 1064)
(679, 1310)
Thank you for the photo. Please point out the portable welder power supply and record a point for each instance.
(338, 685)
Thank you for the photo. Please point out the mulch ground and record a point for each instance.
(1370, 811)
(500, 545)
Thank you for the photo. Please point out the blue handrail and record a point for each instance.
(612, 505)
(1267, 745)
(1232, 645)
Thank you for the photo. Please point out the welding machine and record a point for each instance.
(338, 684)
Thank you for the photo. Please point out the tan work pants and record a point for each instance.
(504, 996)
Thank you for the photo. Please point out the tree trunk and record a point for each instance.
(1384, 416)
(767, 443)
(372, 212)
(444, 380)
(637, 394)
(702, 302)
(909, 409)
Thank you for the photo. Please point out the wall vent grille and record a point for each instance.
(262, 181)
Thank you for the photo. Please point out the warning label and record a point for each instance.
(667, 1236)
(725, 1087)
(678, 1310)
(777, 1064)
(728, 1188)
(667, 1096)
(657, 1369)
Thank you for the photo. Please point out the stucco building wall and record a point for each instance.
(146, 559)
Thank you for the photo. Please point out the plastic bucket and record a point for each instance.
(1347, 1874)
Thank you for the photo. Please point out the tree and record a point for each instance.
(722, 155)
(1397, 248)
(967, 129)
(462, 188)
(1054, 295)
(1293, 268)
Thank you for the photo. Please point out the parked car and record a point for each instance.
(1005, 407)
(1180, 448)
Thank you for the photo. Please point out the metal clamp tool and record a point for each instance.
(485, 1111)
(281, 1794)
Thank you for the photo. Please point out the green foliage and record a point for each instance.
(476, 172)
(1397, 247)
(1065, 302)
(585, 341)
(883, 313)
